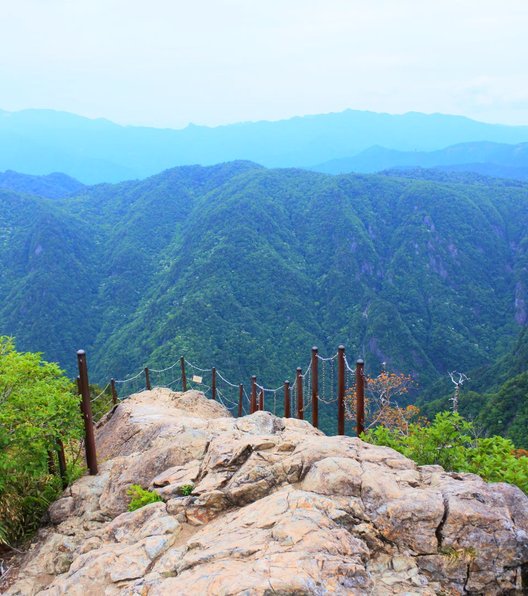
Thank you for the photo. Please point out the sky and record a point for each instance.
(167, 63)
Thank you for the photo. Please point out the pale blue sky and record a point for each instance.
(168, 62)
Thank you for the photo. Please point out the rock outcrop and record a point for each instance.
(276, 507)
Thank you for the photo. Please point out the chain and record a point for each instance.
(332, 372)
(348, 365)
(130, 378)
(218, 374)
(154, 370)
(328, 359)
(246, 409)
(307, 394)
(177, 379)
(222, 398)
(102, 393)
(306, 380)
(197, 367)
(323, 394)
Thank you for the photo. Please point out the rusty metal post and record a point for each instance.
(253, 406)
(300, 399)
(240, 399)
(341, 390)
(360, 397)
(114, 391)
(287, 402)
(213, 382)
(183, 375)
(62, 463)
(147, 379)
(89, 442)
(261, 400)
(315, 388)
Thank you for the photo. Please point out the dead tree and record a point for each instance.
(458, 379)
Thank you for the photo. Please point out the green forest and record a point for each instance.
(245, 268)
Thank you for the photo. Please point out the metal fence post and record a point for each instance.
(240, 398)
(114, 391)
(341, 390)
(213, 382)
(253, 407)
(315, 388)
(183, 375)
(300, 399)
(89, 444)
(147, 379)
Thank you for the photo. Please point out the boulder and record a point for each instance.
(274, 506)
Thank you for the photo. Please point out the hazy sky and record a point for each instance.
(169, 62)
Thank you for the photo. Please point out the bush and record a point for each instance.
(139, 497)
(186, 489)
(450, 442)
(37, 408)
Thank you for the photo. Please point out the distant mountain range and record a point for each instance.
(51, 186)
(491, 159)
(93, 151)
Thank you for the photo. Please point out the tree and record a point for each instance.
(382, 396)
(37, 409)
(458, 379)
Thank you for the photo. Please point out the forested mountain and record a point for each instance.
(92, 151)
(51, 186)
(495, 396)
(492, 159)
(246, 268)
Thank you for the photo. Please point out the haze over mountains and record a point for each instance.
(93, 151)
(491, 159)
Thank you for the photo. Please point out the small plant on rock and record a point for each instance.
(139, 497)
(186, 489)
(467, 555)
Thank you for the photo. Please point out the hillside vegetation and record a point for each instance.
(495, 397)
(246, 268)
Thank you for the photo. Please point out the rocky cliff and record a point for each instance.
(277, 507)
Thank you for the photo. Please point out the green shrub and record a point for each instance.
(139, 497)
(449, 441)
(186, 489)
(37, 408)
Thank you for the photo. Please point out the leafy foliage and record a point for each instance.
(139, 497)
(502, 405)
(244, 269)
(37, 408)
(186, 489)
(382, 401)
(450, 441)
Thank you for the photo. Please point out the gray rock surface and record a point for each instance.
(276, 507)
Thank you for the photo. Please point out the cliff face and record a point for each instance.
(276, 507)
